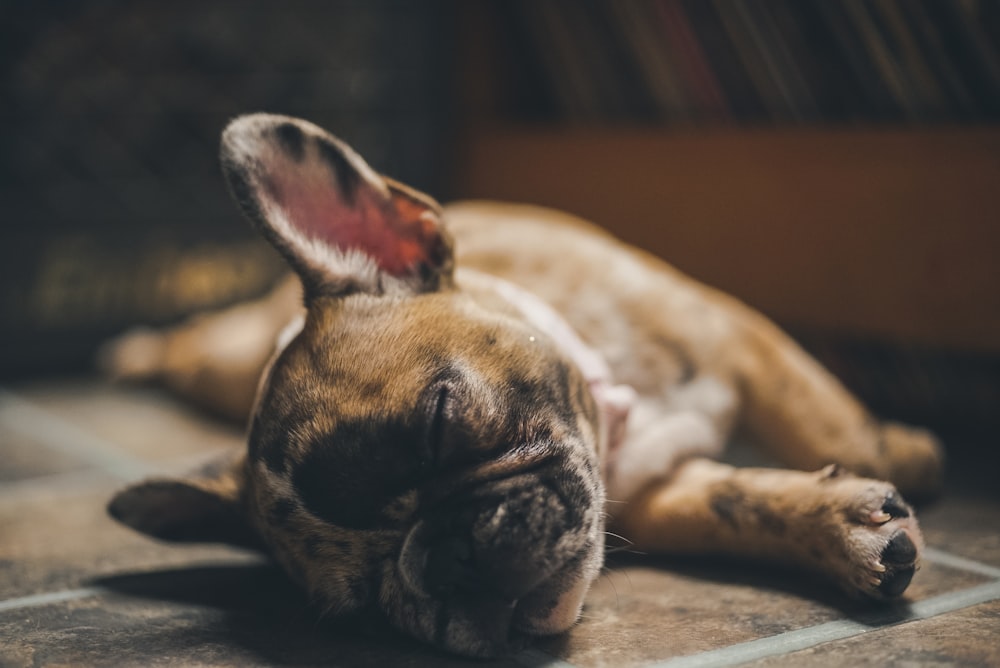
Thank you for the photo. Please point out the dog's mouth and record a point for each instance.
(512, 562)
(483, 621)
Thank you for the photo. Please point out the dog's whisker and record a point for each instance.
(629, 578)
(606, 573)
(618, 536)
(624, 549)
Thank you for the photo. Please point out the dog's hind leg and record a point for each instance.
(213, 359)
(857, 531)
(806, 418)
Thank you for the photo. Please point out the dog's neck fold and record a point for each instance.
(613, 401)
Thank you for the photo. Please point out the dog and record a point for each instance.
(449, 408)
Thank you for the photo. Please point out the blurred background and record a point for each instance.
(834, 164)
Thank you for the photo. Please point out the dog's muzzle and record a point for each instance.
(506, 559)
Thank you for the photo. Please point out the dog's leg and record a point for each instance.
(855, 530)
(807, 419)
(693, 420)
(213, 359)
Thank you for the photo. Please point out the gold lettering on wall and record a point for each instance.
(79, 283)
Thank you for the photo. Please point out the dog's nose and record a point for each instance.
(482, 554)
(454, 565)
(450, 567)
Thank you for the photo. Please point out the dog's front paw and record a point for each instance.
(897, 546)
(880, 539)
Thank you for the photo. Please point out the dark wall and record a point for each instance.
(114, 209)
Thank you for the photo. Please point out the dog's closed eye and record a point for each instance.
(437, 425)
(452, 445)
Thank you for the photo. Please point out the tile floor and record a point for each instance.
(76, 589)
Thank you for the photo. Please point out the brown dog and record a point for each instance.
(441, 426)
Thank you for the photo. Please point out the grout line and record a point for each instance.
(956, 562)
(35, 600)
(792, 641)
(52, 485)
(955, 600)
(55, 433)
(72, 482)
(535, 658)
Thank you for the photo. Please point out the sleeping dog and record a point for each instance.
(450, 406)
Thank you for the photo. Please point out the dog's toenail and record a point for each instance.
(894, 506)
(880, 517)
(897, 582)
(831, 471)
(900, 550)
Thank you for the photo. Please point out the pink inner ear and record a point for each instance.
(398, 233)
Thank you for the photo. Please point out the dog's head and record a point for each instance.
(416, 450)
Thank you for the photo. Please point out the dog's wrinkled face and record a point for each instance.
(416, 449)
(427, 457)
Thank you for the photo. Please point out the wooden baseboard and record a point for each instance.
(891, 234)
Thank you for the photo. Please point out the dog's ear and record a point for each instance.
(340, 225)
(206, 507)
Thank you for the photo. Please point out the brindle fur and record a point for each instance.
(419, 449)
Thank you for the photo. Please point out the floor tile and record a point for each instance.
(58, 538)
(25, 457)
(968, 527)
(143, 423)
(966, 637)
(640, 614)
(257, 628)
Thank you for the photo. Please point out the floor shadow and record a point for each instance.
(770, 577)
(258, 612)
(225, 587)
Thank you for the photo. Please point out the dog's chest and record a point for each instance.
(614, 400)
(679, 398)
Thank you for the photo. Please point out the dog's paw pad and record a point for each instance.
(882, 540)
(900, 550)
(899, 561)
(894, 537)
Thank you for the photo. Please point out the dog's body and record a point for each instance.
(433, 442)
